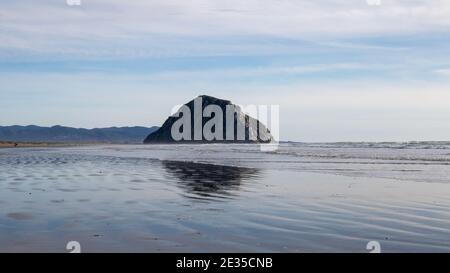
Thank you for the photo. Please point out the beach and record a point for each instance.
(226, 198)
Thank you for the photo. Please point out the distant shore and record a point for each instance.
(12, 144)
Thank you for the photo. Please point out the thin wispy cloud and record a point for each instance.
(443, 72)
(154, 28)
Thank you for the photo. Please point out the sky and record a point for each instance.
(340, 70)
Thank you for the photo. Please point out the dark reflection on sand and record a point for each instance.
(208, 180)
(20, 216)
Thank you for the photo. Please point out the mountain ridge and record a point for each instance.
(64, 134)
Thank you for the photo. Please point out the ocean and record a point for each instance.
(303, 197)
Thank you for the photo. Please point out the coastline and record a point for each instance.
(12, 144)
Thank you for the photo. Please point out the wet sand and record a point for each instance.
(134, 204)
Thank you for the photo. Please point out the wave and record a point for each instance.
(381, 145)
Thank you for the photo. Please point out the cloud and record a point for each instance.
(261, 73)
(442, 72)
(113, 28)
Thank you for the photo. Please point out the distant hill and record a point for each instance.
(63, 134)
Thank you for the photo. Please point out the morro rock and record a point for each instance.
(225, 122)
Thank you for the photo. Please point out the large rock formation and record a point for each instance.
(255, 131)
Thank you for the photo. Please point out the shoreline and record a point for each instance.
(13, 144)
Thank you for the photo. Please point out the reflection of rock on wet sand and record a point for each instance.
(207, 180)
